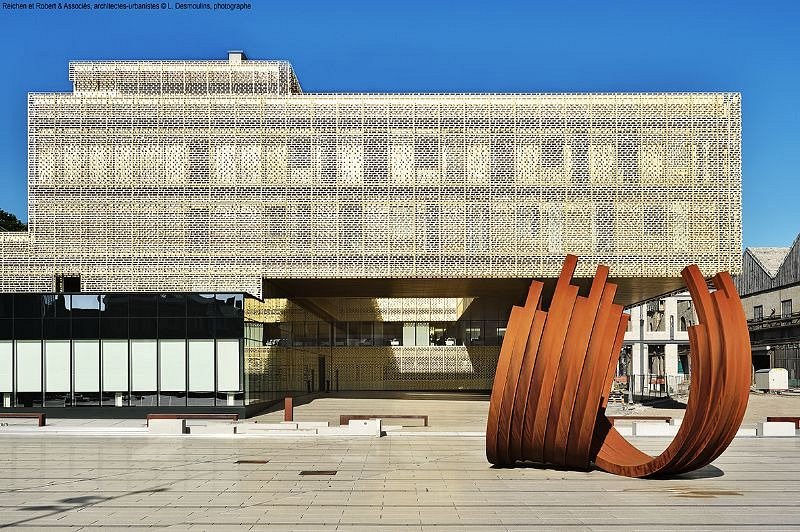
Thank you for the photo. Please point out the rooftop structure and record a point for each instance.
(769, 268)
(237, 76)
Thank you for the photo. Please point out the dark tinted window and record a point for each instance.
(230, 328)
(85, 306)
(6, 305)
(27, 306)
(200, 328)
(28, 328)
(172, 327)
(232, 304)
(143, 305)
(171, 305)
(57, 328)
(86, 328)
(115, 305)
(114, 328)
(143, 328)
(72, 284)
(203, 305)
(55, 305)
(6, 328)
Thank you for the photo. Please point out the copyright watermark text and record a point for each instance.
(125, 6)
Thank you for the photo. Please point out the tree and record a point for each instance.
(9, 222)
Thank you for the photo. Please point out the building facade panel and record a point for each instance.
(197, 183)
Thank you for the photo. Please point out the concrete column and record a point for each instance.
(670, 315)
(671, 359)
(639, 359)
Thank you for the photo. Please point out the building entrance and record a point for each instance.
(322, 386)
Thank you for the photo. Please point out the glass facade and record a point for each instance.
(121, 349)
(378, 333)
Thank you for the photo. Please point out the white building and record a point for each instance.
(656, 346)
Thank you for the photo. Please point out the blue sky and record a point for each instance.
(409, 45)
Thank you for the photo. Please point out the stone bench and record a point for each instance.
(345, 419)
(39, 416)
(791, 419)
(665, 419)
(210, 416)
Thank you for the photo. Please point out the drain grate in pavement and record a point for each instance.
(317, 472)
(251, 461)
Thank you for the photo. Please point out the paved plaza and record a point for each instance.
(396, 482)
(468, 411)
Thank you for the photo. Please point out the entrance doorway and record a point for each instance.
(322, 386)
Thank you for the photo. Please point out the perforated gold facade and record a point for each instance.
(212, 175)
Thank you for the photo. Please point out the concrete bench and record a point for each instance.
(40, 416)
(220, 417)
(776, 429)
(665, 419)
(791, 419)
(345, 419)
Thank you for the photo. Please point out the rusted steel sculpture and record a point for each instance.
(555, 370)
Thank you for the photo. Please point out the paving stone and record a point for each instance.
(412, 483)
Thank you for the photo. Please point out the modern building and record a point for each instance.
(770, 290)
(379, 239)
(140, 349)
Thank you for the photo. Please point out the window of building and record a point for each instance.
(305, 333)
(55, 305)
(422, 336)
(368, 333)
(683, 359)
(758, 312)
(786, 308)
(114, 305)
(685, 315)
(6, 306)
(85, 306)
(409, 334)
(473, 333)
(655, 316)
(656, 359)
(171, 305)
(68, 283)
